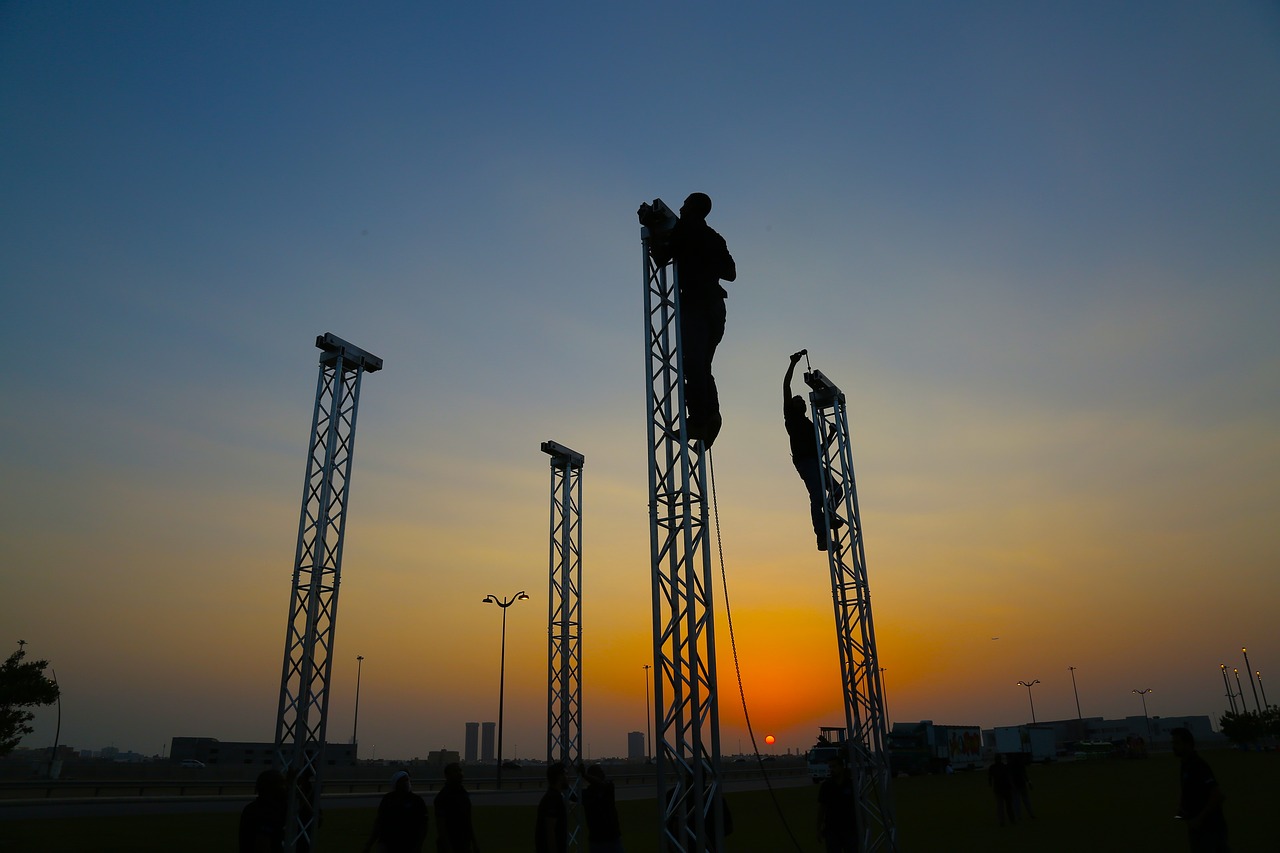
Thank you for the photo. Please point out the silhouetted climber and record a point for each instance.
(702, 260)
(804, 456)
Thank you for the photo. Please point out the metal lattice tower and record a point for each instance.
(564, 631)
(313, 608)
(855, 633)
(686, 707)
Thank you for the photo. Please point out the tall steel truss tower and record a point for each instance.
(564, 620)
(686, 707)
(313, 609)
(855, 632)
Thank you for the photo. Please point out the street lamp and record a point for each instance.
(1231, 697)
(502, 672)
(355, 723)
(1245, 652)
(1239, 690)
(1263, 689)
(648, 718)
(55, 767)
(1079, 716)
(884, 693)
(1143, 694)
(1029, 699)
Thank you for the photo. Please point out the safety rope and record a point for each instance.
(737, 668)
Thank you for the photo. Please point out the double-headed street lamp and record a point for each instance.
(1027, 685)
(502, 671)
(1143, 694)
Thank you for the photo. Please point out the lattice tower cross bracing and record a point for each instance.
(686, 706)
(564, 631)
(303, 712)
(855, 631)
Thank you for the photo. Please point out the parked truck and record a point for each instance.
(830, 744)
(1033, 743)
(925, 747)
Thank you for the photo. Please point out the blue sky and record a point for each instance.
(1035, 244)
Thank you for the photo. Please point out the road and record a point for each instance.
(65, 807)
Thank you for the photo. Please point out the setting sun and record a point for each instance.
(769, 739)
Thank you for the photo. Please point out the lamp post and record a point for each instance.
(1239, 690)
(1029, 699)
(1263, 689)
(648, 718)
(1143, 694)
(884, 692)
(355, 722)
(55, 767)
(1079, 716)
(1230, 697)
(502, 671)
(1245, 652)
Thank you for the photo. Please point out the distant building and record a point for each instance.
(1067, 733)
(441, 757)
(473, 742)
(487, 752)
(211, 751)
(635, 746)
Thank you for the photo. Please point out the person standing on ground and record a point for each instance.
(1200, 799)
(262, 820)
(838, 809)
(1001, 783)
(804, 456)
(454, 832)
(401, 824)
(702, 261)
(603, 827)
(551, 832)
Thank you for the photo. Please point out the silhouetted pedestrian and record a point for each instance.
(702, 260)
(262, 820)
(1021, 785)
(1200, 799)
(454, 832)
(838, 809)
(1001, 782)
(804, 456)
(401, 824)
(603, 828)
(551, 832)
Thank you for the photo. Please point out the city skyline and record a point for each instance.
(1035, 246)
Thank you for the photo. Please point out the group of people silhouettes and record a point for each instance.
(400, 825)
(702, 260)
(403, 819)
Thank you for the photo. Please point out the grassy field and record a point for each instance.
(1105, 805)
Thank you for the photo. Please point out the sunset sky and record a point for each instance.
(1037, 245)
